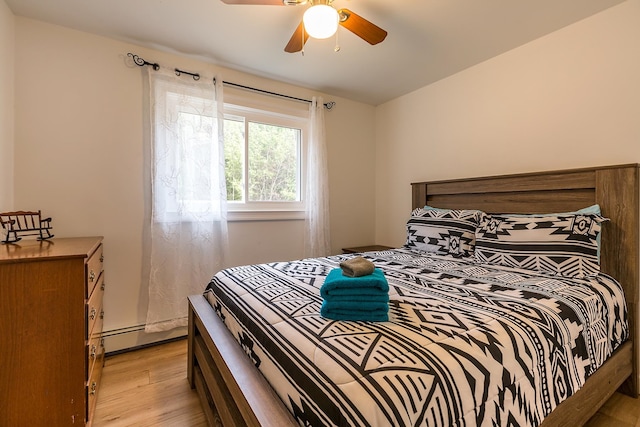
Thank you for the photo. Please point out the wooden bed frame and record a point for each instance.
(234, 393)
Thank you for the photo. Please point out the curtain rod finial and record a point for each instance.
(329, 105)
(141, 62)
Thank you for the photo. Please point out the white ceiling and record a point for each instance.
(428, 39)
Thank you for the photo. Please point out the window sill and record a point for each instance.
(238, 216)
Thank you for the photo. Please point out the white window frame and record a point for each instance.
(247, 210)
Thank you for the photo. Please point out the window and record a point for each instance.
(263, 160)
(262, 157)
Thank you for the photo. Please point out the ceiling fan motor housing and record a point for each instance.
(317, 2)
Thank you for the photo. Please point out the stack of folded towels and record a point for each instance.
(355, 291)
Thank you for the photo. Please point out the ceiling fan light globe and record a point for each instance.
(321, 21)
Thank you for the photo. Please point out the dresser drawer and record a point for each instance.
(94, 313)
(95, 372)
(94, 268)
(95, 353)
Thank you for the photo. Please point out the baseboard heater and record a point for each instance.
(134, 337)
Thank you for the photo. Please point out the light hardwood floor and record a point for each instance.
(149, 387)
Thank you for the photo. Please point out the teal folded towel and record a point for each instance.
(348, 295)
(373, 285)
(344, 310)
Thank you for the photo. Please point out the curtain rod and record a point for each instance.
(141, 63)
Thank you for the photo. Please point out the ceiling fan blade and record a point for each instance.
(266, 2)
(295, 43)
(362, 28)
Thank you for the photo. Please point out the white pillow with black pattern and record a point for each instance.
(563, 245)
(443, 231)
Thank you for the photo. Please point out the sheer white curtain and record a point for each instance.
(317, 236)
(188, 230)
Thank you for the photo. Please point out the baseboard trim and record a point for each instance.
(134, 337)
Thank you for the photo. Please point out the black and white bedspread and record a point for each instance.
(466, 345)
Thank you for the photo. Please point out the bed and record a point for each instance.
(234, 392)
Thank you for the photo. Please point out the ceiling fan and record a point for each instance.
(321, 20)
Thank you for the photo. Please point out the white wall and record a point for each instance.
(7, 42)
(79, 158)
(569, 99)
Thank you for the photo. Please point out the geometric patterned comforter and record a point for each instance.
(465, 345)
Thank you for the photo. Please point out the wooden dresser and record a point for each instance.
(51, 350)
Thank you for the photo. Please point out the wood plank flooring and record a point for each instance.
(149, 387)
(619, 411)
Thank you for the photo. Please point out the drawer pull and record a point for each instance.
(94, 350)
(93, 313)
(101, 257)
(101, 314)
(102, 286)
(92, 276)
(94, 386)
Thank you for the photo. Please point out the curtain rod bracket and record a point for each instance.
(195, 76)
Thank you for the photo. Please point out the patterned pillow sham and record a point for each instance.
(563, 245)
(443, 231)
(593, 209)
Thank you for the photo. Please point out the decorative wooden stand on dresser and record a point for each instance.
(51, 351)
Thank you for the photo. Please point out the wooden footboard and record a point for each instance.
(231, 389)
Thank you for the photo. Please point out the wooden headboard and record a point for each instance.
(615, 188)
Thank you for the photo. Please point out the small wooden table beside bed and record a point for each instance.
(487, 339)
